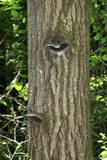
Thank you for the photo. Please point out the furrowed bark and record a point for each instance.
(59, 90)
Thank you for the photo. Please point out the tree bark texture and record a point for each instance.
(59, 90)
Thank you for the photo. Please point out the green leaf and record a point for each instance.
(103, 40)
(104, 57)
(24, 20)
(104, 21)
(3, 102)
(94, 59)
(14, 13)
(104, 154)
(18, 86)
(10, 87)
(97, 37)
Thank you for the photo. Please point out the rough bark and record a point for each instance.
(59, 91)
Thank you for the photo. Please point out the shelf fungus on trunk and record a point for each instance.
(32, 117)
(58, 44)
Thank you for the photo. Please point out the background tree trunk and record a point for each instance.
(59, 91)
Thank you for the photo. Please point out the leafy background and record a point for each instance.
(14, 78)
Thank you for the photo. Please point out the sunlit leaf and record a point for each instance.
(97, 37)
(9, 87)
(14, 13)
(3, 102)
(103, 40)
(18, 86)
(104, 57)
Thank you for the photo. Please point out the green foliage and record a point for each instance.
(3, 102)
(13, 98)
(103, 143)
(98, 72)
(13, 144)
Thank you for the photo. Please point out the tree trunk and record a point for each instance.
(58, 87)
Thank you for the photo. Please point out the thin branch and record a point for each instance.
(18, 146)
(103, 62)
(5, 115)
(9, 139)
(7, 33)
(14, 80)
(98, 49)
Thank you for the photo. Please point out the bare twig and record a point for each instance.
(7, 32)
(103, 62)
(17, 147)
(9, 139)
(98, 49)
(14, 80)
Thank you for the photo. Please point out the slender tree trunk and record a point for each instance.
(59, 89)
